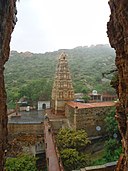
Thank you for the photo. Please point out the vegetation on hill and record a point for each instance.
(31, 75)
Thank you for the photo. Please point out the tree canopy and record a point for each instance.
(71, 144)
(69, 138)
(21, 163)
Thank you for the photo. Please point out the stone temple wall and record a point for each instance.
(15, 129)
(88, 119)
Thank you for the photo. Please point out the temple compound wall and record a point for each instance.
(88, 116)
(27, 128)
(106, 167)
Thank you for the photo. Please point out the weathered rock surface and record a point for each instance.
(7, 22)
(118, 37)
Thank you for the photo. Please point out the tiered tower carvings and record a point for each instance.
(62, 91)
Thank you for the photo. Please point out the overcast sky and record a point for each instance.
(48, 25)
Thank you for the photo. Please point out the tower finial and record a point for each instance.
(63, 56)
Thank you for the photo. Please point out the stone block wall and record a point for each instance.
(14, 128)
(88, 119)
(69, 113)
(106, 167)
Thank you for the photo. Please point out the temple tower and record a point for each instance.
(62, 91)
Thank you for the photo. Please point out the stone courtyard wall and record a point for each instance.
(106, 167)
(88, 119)
(27, 128)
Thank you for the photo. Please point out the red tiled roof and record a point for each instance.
(90, 105)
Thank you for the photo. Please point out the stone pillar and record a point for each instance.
(118, 37)
(75, 117)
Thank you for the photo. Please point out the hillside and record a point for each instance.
(32, 74)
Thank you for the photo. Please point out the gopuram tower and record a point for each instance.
(62, 91)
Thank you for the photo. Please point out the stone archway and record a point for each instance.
(43, 106)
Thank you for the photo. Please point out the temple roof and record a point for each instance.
(90, 105)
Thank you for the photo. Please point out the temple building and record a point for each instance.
(95, 97)
(88, 116)
(62, 91)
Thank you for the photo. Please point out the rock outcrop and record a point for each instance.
(7, 23)
(118, 37)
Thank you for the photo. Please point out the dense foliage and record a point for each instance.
(71, 144)
(69, 138)
(28, 74)
(111, 124)
(113, 147)
(113, 150)
(21, 163)
(72, 159)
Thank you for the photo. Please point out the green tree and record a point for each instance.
(111, 123)
(21, 163)
(115, 81)
(113, 150)
(69, 138)
(72, 159)
(113, 147)
(36, 89)
(71, 144)
(86, 98)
